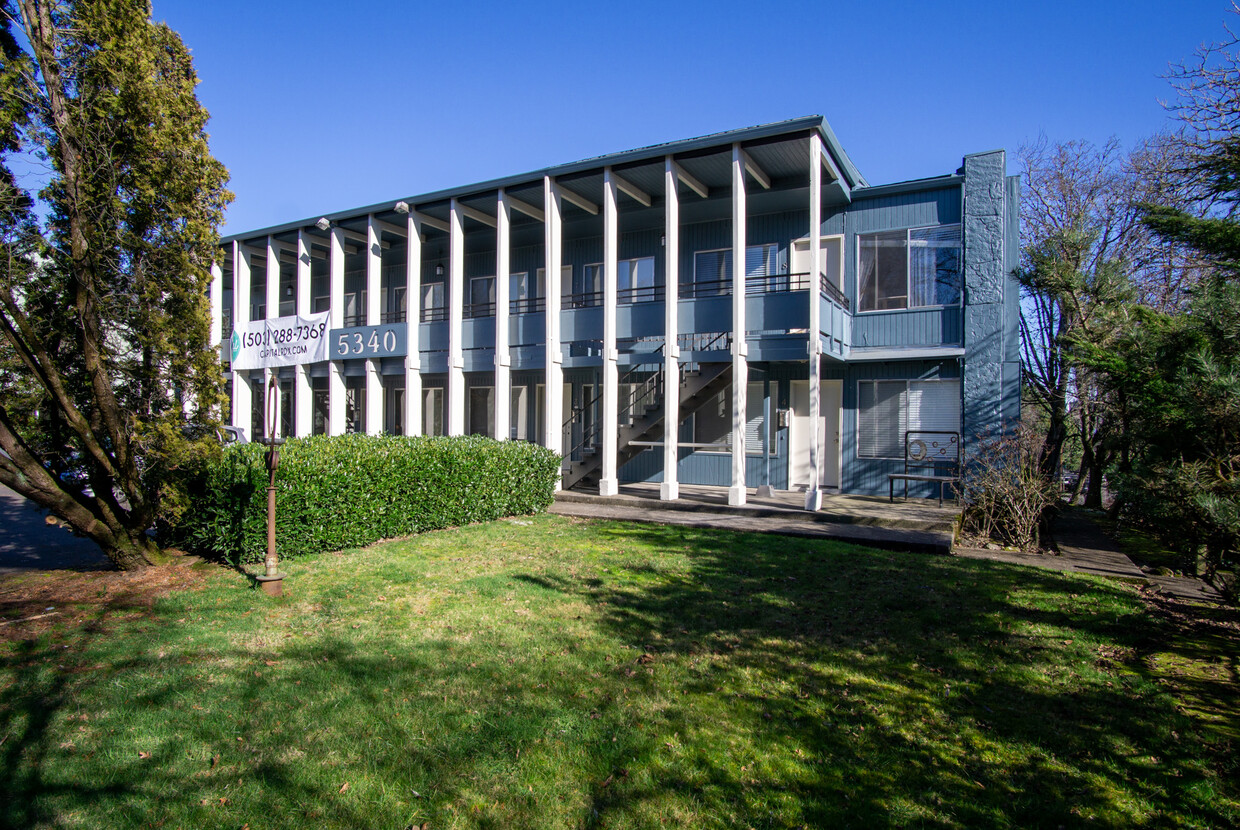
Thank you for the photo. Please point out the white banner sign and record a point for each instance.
(283, 341)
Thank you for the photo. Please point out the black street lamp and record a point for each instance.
(272, 580)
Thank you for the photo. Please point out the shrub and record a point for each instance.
(1005, 494)
(353, 490)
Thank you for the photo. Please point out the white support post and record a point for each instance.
(669, 490)
(413, 317)
(456, 315)
(374, 273)
(813, 495)
(553, 409)
(335, 384)
(374, 296)
(272, 303)
(241, 400)
(608, 482)
(217, 305)
(374, 396)
(303, 393)
(503, 361)
(740, 368)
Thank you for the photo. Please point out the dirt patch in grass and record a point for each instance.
(33, 603)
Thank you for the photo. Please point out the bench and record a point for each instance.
(929, 455)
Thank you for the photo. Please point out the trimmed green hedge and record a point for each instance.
(353, 490)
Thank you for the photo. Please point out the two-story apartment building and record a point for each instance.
(751, 289)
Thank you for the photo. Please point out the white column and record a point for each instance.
(241, 400)
(503, 361)
(813, 495)
(374, 273)
(374, 397)
(273, 310)
(608, 482)
(553, 410)
(217, 305)
(740, 367)
(670, 488)
(413, 318)
(456, 312)
(374, 293)
(335, 382)
(303, 394)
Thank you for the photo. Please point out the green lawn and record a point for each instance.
(553, 673)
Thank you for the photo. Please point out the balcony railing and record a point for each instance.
(475, 310)
(434, 314)
(527, 305)
(828, 290)
(392, 316)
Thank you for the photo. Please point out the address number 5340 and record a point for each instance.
(356, 343)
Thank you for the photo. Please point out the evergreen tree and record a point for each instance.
(104, 319)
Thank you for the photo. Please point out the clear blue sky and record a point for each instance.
(317, 107)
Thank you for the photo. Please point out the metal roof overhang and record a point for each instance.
(702, 157)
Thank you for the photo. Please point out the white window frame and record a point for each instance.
(908, 271)
(908, 382)
(629, 294)
(430, 293)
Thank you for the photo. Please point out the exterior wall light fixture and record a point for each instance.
(323, 224)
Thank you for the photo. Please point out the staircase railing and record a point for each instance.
(590, 433)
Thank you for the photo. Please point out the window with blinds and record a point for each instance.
(887, 408)
(712, 270)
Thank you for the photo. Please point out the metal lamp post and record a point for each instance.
(272, 580)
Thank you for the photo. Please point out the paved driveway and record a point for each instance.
(27, 542)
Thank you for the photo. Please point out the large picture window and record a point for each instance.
(909, 268)
(887, 408)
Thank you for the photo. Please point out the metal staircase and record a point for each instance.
(640, 415)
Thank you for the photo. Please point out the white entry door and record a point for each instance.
(828, 435)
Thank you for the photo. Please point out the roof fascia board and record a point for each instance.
(653, 153)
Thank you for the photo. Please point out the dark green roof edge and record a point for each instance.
(794, 125)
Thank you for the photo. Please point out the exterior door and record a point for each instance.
(828, 435)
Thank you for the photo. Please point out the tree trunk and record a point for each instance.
(1093, 493)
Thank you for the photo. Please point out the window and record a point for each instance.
(319, 418)
(635, 280)
(591, 293)
(524, 292)
(481, 297)
(432, 302)
(712, 424)
(712, 270)
(355, 405)
(481, 411)
(394, 298)
(886, 409)
(566, 282)
(393, 404)
(909, 269)
(518, 428)
(432, 410)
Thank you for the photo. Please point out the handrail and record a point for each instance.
(828, 289)
(588, 435)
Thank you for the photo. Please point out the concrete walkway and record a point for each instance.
(918, 525)
(913, 525)
(29, 543)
